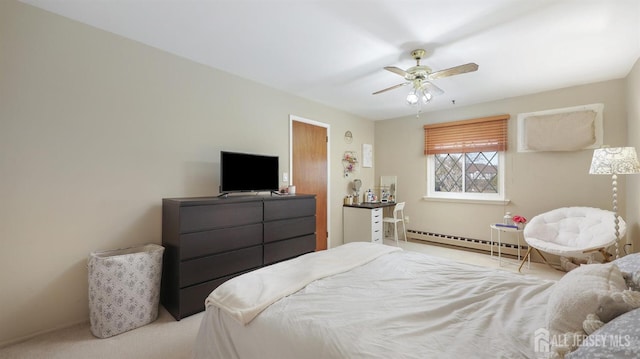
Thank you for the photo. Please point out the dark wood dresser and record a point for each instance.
(209, 240)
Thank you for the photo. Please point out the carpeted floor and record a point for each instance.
(169, 339)
(165, 338)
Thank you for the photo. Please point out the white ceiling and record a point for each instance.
(334, 51)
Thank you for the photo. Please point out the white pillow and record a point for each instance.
(581, 292)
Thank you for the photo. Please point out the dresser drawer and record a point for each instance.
(376, 214)
(279, 251)
(200, 244)
(192, 298)
(205, 217)
(204, 269)
(377, 235)
(289, 228)
(289, 208)
(376, 221)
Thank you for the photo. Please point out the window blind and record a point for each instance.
(475, 135)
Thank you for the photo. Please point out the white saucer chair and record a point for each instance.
(573, 232)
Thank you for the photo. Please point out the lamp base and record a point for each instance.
(616, 220)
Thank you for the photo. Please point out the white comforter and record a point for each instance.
(400, 305)
(245, 297)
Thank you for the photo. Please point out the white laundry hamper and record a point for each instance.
(124, 288)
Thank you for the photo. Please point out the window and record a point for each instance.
(474, 175)
(465, 159)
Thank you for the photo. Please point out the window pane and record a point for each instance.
(448, 172)
(481, 172)
(474, 172)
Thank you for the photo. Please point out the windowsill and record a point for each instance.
(499, 202)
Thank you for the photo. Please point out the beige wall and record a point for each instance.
(95, 130)
(633, 139)
(535, 182)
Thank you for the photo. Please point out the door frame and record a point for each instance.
(328, 127)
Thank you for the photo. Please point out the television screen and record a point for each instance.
(244, 172)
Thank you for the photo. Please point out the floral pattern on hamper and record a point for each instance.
(124, 288)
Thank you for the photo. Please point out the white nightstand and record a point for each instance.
(518, 233)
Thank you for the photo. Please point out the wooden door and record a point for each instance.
(309, 172)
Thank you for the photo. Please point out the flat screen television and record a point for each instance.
(245, 172)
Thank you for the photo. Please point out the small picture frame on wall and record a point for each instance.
(367, 155)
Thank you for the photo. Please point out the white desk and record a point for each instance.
(500, 230)
(363, 222)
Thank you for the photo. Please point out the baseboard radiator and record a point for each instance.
(468, 243)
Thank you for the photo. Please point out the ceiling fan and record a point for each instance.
(419, 76)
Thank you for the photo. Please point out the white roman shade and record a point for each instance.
(568, 129)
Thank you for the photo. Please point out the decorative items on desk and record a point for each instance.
(369, 196)
(356, 191)
(384, 195)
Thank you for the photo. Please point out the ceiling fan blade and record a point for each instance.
(391, 88)
(399, 71)
(470, 67)
(433, 89)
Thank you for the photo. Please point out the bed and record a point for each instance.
(364, 300)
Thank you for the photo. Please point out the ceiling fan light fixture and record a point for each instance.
(420, 77)
(418, 96)
(412, 97)
(426, 96)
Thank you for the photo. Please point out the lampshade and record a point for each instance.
(614, 160)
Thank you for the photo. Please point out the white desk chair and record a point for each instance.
(398, 216)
